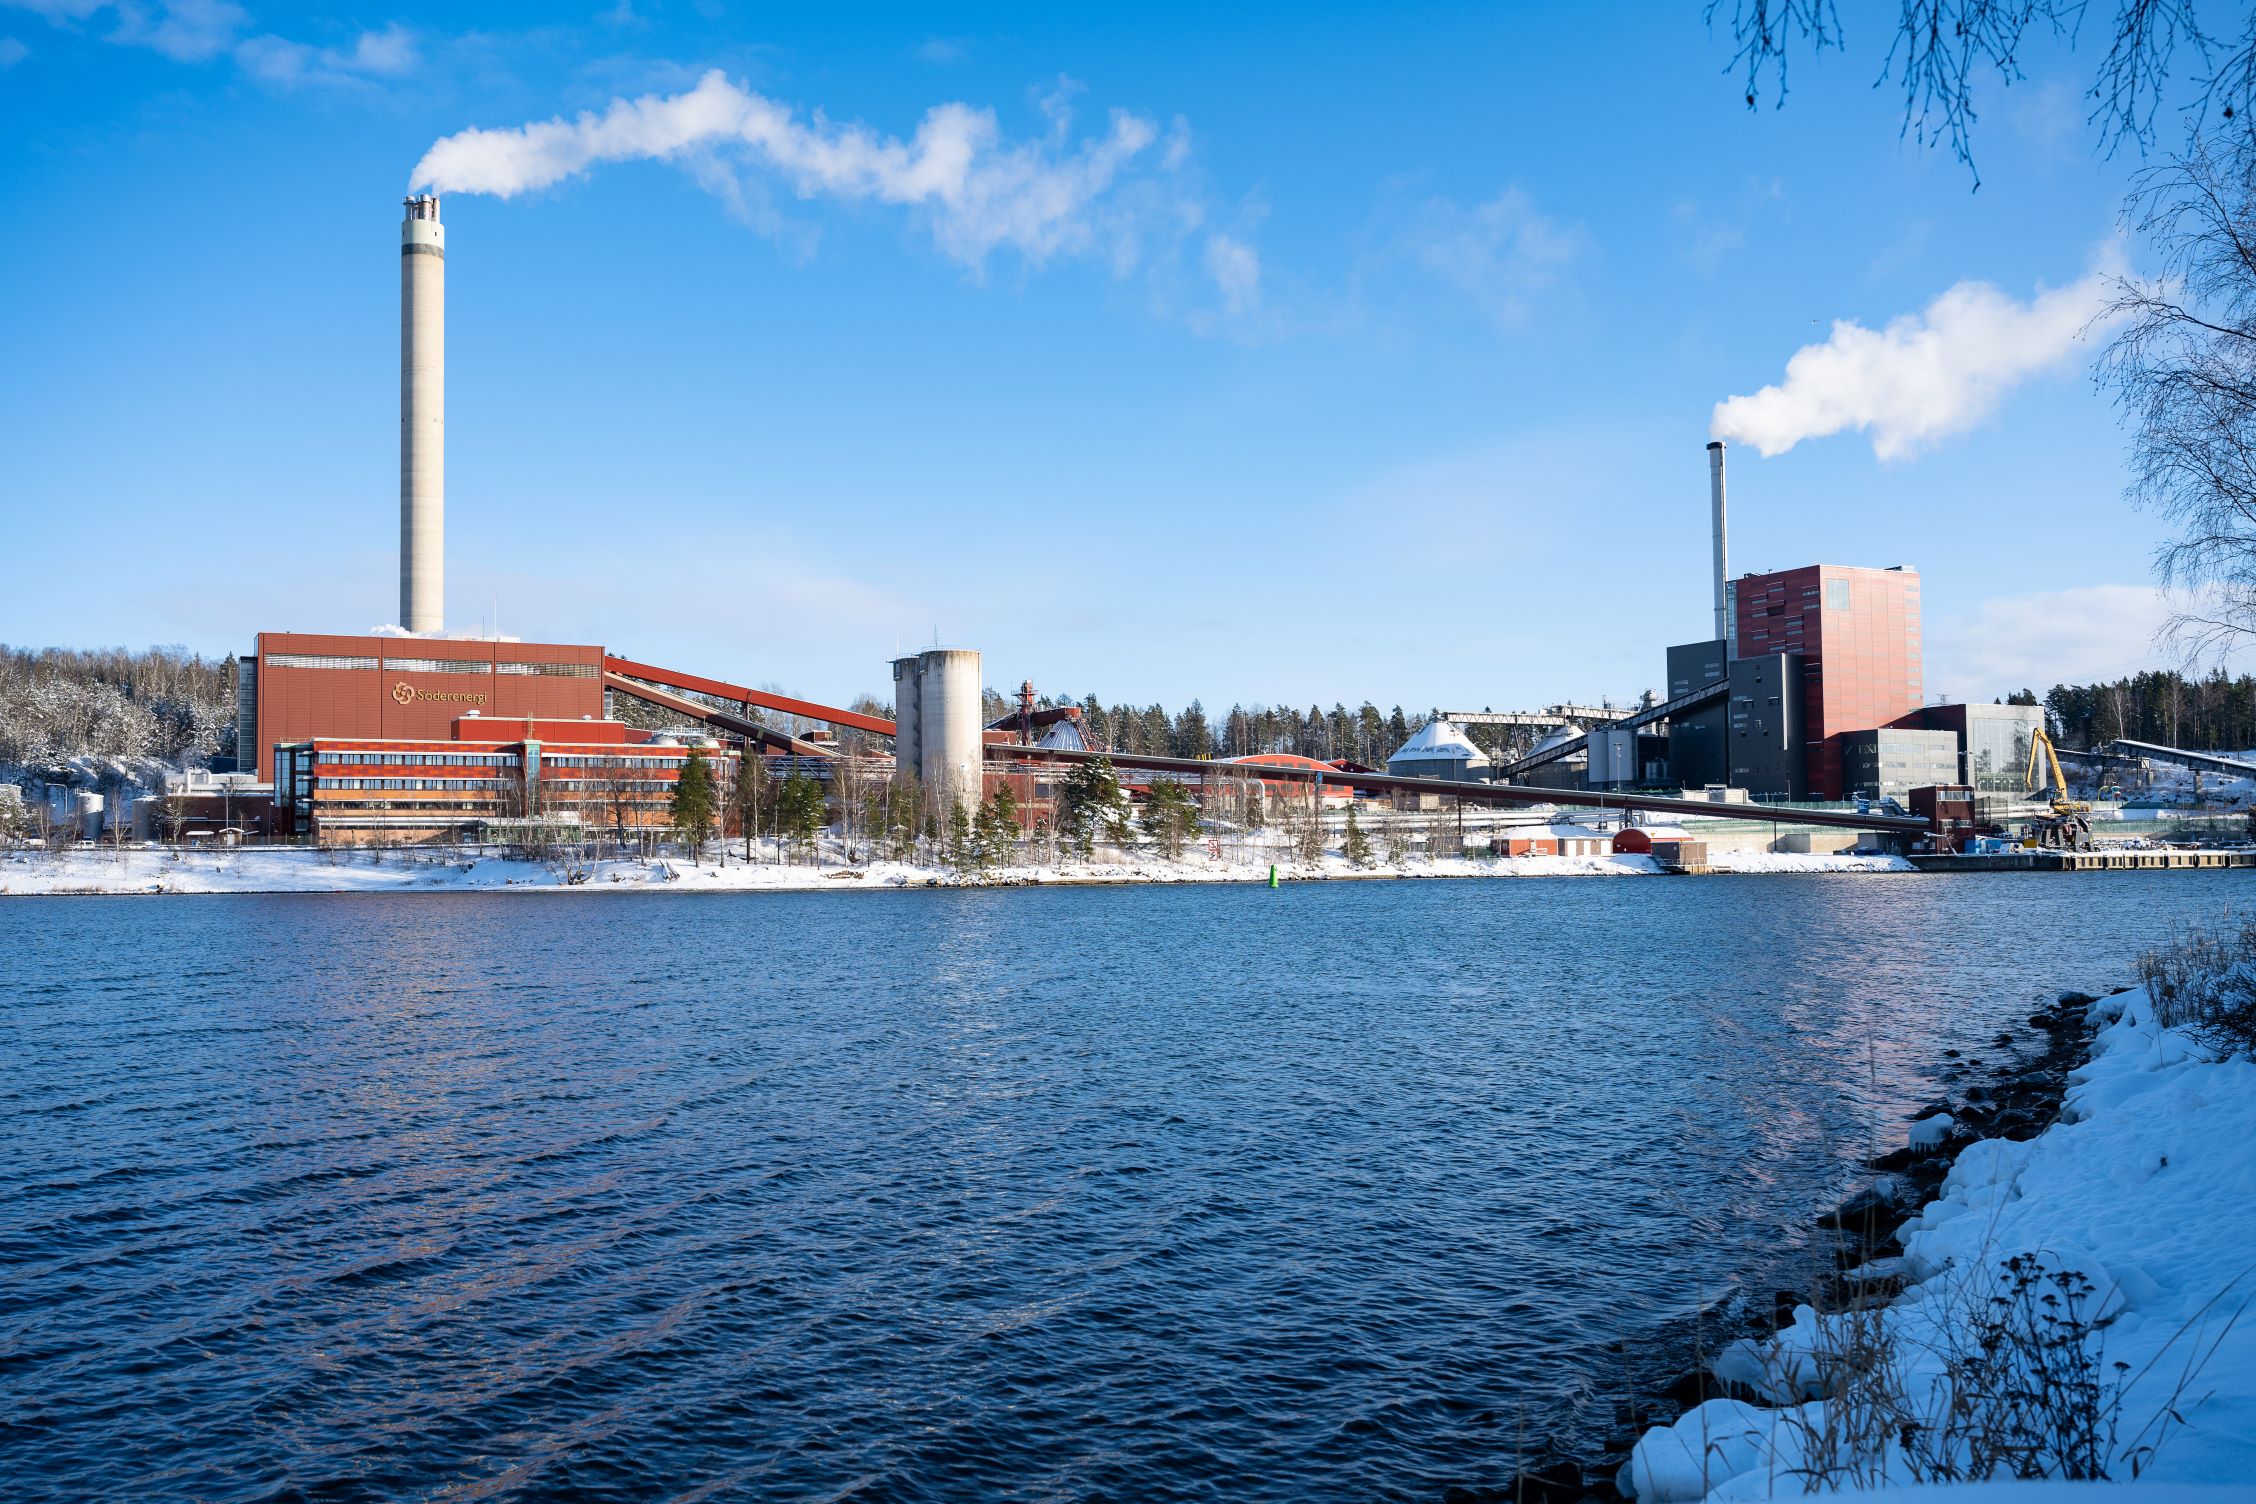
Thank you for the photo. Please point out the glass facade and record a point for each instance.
(1998, 738)
(1892, 761)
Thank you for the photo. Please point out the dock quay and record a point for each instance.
(2086, 861)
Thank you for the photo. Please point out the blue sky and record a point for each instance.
(1366, 352)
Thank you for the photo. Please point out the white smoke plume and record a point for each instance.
(1041, 197)
(1924, 377)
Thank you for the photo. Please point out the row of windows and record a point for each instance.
(575, 760)
(424, 759)
(432, 665)
(316, 660)
(419, 783)
(439, 665)
(549, 670)
(491, 760)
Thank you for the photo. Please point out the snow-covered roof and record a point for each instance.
(1553, 739)
(1065, 735)
(1439, 741)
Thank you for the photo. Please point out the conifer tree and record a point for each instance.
(961, 854)
(1357, 848)
(1308, 828)
(1193, 737)
(903, 802)
(694, 803)
(995, 831)
(1090, 804)
(1170, 816)
(799, 812)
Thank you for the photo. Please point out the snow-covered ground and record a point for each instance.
(2146, 1188)
(2163, 785)
(148, 869)
(1783, 861)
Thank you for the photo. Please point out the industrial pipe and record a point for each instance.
(1722, 549)
(422, 557)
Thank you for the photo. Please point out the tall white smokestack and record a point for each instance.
(1722, 549)
(422, 416)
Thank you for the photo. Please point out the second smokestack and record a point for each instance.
(422, 417)
(1722, 548)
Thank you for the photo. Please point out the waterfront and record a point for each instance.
(1335, 1191)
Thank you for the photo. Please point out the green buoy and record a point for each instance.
(1272, 874)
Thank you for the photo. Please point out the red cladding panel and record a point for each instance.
(324, 685)
(1859, 636)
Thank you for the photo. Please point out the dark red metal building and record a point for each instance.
(1857, 631)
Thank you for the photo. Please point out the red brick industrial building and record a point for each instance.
(412, 688)
(406, 739)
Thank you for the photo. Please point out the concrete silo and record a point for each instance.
(950, 718)
(938, 717)
(908, 720)
(422, 416)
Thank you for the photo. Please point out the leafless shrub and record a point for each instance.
(2203, 980)
(2021, 1388)
(2031, 1395)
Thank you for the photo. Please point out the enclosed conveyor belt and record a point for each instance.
(1691, 700)
(697, 710)
(721, 689)
(2200, 762)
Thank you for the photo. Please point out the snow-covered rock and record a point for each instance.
(2145, 1188)
(1929, 1133)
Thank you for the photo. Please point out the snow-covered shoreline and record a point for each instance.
(2145, 1187)
(160, 870)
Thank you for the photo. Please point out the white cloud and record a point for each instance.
(1236, 269)
(12, 52)
(279, 60)
(2037, 640)
(1042, 197)
(59, 11)
(197, 31)
(1924, 377)
(188, 31)
(1501, 254)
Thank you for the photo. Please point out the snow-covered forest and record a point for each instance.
(58, 705)
(1365, 734)
(2215, 713)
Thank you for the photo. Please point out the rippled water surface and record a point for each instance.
(1340, 1191)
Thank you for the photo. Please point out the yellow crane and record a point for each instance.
(2070, 821)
